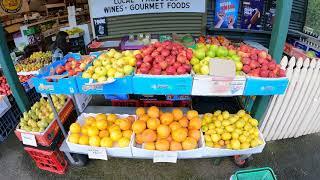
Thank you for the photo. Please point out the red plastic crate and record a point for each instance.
(45, 138)
(126, 103)
(158, 103)
(52, 161)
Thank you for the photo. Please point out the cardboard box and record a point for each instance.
(265, 86)
(114, 152)
(162, 84)
(204, 85)
(138, 152)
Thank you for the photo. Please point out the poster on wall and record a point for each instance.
(10, 7)
(100, 26)
(226, 14)
(109, 8)
(252, 11)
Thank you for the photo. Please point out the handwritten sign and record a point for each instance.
(167, 156)
(29, 139)
(97, 153)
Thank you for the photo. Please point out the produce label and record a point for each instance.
(109, 8)
(97, 153)
(29, 139)
(167, 156)
(226, 13)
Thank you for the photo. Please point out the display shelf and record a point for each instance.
(301, 34)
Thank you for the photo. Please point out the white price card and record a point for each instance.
(29, 139)
(97, 153)
(165, 156)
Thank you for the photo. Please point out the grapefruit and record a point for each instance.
(163, 131)
(195, 134)
(140, 111)
(153, 112)
(74, 138)
(153, 123)
(127, 133)
(139, 139)
(94, 141)
(106, 142)
(184, 122)
(125, 124)
(123, 142)
(144, 118)
(162, 145)
(177, 114)
(90, 120)
(195, 123)
(115, 135)
(75, 128)
(102, 117)
(93, 131)
(175, 146)
(192, 114)
(84, 140)
(175, 125)
(166, 118)
(149, 146)
(179, 135)
(112, 117)
(149, 135)
(104, 133)
(189, 143)
(102, 124)
(138, 126)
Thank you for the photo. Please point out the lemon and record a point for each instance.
(94, 141)
(226, 123)
(74, 138)
(228, 146)
(209, 143)
(106, 142)
(240, 124)
(90, 120)
(84, 130)
(242, 138)
(217, 124)
(211, 126)
(219, 130)
(220, 117)
(254, 143)
(244, 145)
(84, 140)
(93, 131)
(234, 135)
(124, 142)
(207, 138)
(210, 131)
(115, 135)
(216, 113)
(216, 145)
(230, 128)
(254, 122)
(204, 128)
(75, 128)
(247, 127)
(225, 114)
(232, 120)
(239, 131)
(241, 113)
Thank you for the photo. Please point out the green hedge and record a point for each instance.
(313, 15)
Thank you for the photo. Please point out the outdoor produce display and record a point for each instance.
(73, 67)
(167, 58)
(35, 62)
(102, 130)
(204, 52)
(230, 131)
(112, 64)
(4, 87)
(259, 63)
(38, 118)
(167, 131)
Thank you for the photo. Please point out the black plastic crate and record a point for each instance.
(7, 124)
(211, 104)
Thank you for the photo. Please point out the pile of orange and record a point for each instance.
(102, 131)
(167, 131)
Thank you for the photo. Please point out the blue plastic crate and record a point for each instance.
(8, 122)
(61, 86)
(265, 86)
(162, 85)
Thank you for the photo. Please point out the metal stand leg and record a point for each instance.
(56, 116)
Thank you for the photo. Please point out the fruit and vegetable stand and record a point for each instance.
(154, 68)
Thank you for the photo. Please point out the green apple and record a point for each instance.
(232, 52)
(117, 55)
(118, 75)
(101, 71)
(86, 75)
(127, 69)
(194, 61)
(127, 53)
(211, 54)
(106, 62)
(120, 62)
(111, 53)
(239, 65)
(222, 52)
(197, 68)
(135, 52)
(200, 45)
(236, 58)
(97, 63)
(213, 48)
(102, 79)
(111, 72)
(132, 61)
(204, 70)
(200, 54)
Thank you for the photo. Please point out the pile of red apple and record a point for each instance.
(73, 67)
(259, 63)
(166, 58)
(4, 87)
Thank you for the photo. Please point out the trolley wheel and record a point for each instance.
(241, 163)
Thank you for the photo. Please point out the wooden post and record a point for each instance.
(11, 74)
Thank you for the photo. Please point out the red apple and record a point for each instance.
(155, 54)
(187, 67)
(165, 52)
(282, 73)
(264, 73)
(181, 58)
(262, 54)
(155, 71)
(189, 54)
(144, 70)
(159, 49)
(163, 65)
(139, 62)
(174, 52)
(159, 58)
(181, 70)
(253, 56)
(146, 65)
(138, 57)
(147, 59)
(176, 65)
(261, 60)
(171, 70)
(272, 74)
(245, 61)
(170, 60)
(272, 66)
(246, 69)
(157, 44)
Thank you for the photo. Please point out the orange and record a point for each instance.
(184, 122)
(127, 133)
(101, 117)
(169, 138)
(195, 134)
(74, 138)
(144, 118)
(195, 123)
(191, 114)
(104, 133)
(177, 114)
(189, 144)
(140, 111)
(149, 135)
(114, 127)
(90, 120)
(75, 128)
(102, 124)
(84, 140)
(149, 146)
(125, 124)
(94, 141)
(175, 125)
(139, 139)
(153, 123)
(166, 118)
(175, 146)
(93, 131)
(106, 142)
(131, 118)
(162, 145)
(138, 126)
(123, 142)
(112, 117)
(153, 112)
(84, 130)
(179, 135)
(163, 131)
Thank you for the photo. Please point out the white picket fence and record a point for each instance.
(297, 112)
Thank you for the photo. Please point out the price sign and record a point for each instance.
(29, 139)
(167, 156)
(97, 153)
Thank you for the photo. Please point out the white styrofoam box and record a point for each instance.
(114, 151)
(138, 152)
(4, 105)
(82, 101)
(219, 152)
(204, 85)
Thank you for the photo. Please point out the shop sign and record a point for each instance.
(10, 7)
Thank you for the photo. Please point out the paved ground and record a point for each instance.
(290, 159)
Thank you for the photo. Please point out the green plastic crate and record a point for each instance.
(255, 174)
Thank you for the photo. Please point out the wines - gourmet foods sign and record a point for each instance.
(109, 8)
